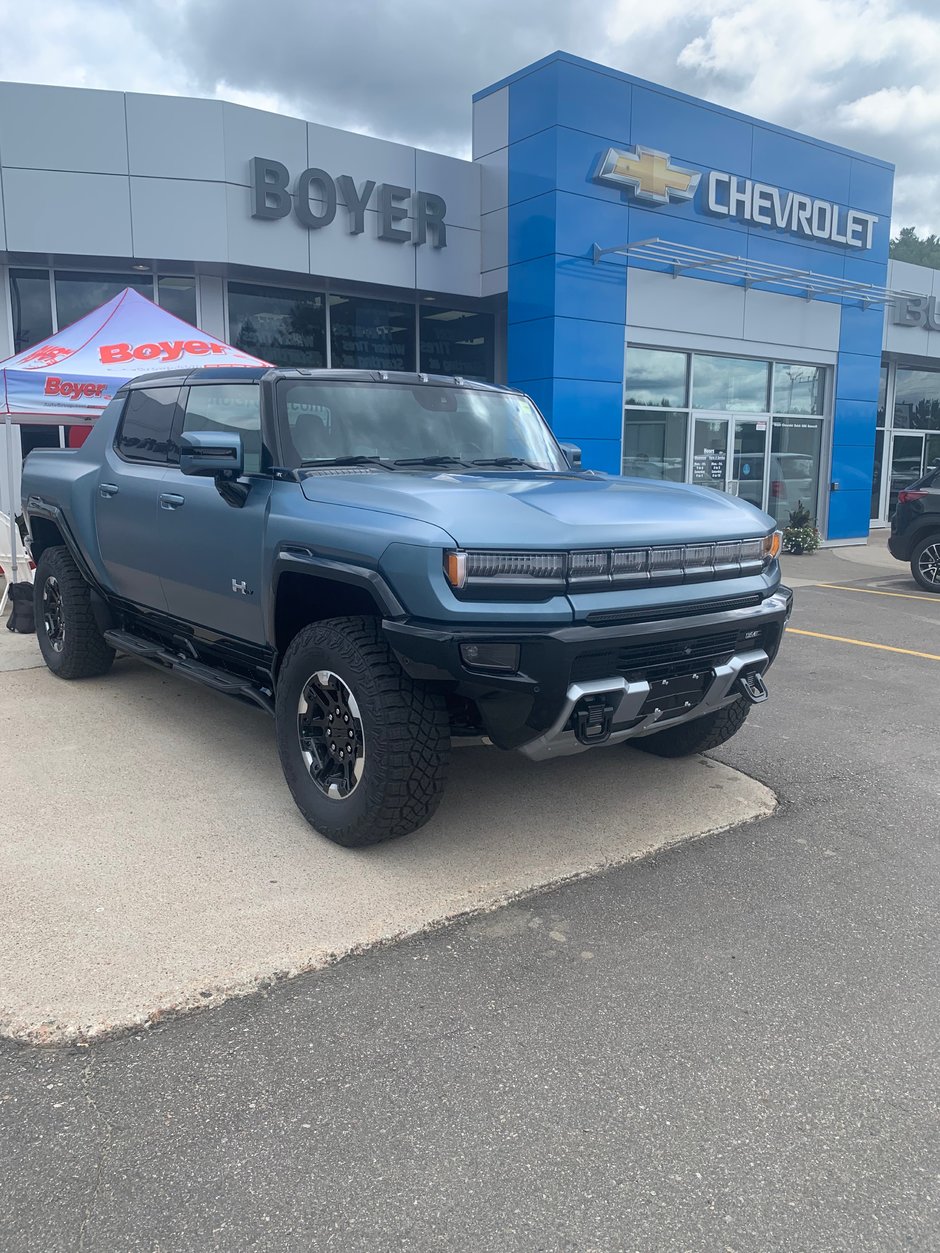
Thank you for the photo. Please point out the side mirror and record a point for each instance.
(212, 454)
(573, 453)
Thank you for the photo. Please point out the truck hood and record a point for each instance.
(543, 510)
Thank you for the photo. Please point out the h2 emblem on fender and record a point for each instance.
(239, 585)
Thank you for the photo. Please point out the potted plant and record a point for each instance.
(800, 534)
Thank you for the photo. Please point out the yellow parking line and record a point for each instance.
(839, 587)
(843, 639)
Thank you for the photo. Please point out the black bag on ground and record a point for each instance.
(22, 618)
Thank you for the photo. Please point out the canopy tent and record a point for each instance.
(73, 375)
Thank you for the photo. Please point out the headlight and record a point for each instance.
(532, 571)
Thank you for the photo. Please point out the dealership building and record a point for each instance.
(687, 293)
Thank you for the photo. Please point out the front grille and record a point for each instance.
(665, 659)
(619, 617)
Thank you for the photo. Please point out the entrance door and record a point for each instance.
(749, 460)
(710, 452)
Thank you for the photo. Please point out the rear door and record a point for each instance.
(213, 552)
(127, 496)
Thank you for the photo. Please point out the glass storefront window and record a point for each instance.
(876, 474)
(178, 296)
(371, 334)
(794, 466)
(457, 342)
(31, 299)
(653, 444)
(656, 377)
(798, 388)
(278, 325)
(917, 399)
(730, 384)
(77, 294)
(882, 396)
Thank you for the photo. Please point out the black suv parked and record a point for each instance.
(915, 529)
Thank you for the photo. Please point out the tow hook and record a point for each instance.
(753, 687)
(592, 719)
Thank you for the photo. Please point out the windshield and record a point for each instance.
(393, 422)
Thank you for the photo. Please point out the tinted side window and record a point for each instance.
(228, 407)
(148, 421)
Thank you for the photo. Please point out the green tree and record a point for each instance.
(907, 245)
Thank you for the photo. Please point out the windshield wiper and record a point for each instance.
(429, 461)
(347, 461)
(504, 461)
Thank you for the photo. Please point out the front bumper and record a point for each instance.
(675, 668)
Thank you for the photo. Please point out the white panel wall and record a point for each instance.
(491, 157)
(912, 341)
(103, 174)
(725, 318)
(62, 128)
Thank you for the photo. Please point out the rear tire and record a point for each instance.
(70, 641)
(925, 564)
(363, 747)
(696, 736)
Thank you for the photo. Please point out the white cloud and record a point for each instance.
(856, 72)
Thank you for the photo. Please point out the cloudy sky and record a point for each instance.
(862, 73)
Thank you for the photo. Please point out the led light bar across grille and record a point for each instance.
(621, 567)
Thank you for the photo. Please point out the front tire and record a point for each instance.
(363, 747)
(698, 735)
(925, 564)
(71, 644)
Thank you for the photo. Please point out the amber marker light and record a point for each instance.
(455, 568)
(772, 545)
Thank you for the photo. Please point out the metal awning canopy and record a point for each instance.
(684, 259)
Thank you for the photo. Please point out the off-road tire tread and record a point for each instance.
(699, 735)
(416, 730)
(933, 588)
(87, 653)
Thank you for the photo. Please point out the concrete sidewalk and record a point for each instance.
(152, 858)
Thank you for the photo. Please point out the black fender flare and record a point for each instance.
(101, 606)
(298, 560)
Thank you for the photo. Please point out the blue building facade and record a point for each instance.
(580, 159)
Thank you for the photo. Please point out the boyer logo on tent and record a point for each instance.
(164, 350)
(72, 390)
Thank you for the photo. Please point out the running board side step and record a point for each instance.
(164, 659)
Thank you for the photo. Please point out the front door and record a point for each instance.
(749, 460)
(710, 451)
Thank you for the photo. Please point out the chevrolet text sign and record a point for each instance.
(653, 177)
(316, 197)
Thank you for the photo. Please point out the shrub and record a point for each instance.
(800, 535)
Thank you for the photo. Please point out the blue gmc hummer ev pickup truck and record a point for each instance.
(389, 563)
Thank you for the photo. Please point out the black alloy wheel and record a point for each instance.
(53, 614)
(332, 739)
(925, 564)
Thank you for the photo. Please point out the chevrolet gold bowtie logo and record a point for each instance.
(648, 174)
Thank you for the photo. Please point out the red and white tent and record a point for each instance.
(73, 375)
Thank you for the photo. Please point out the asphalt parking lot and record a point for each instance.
(731, 1044)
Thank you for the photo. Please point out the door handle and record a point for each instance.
(170, 500)
(107, 489)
